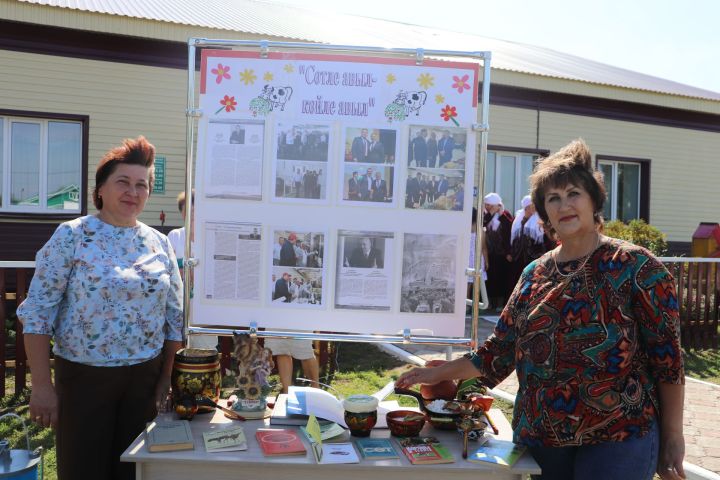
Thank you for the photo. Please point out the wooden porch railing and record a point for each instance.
(698, 286)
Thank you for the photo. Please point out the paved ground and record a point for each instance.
(702, 405)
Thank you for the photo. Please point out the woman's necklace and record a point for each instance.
(582, 265)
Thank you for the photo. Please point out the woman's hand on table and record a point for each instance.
(44, 405)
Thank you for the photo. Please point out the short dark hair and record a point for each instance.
(571, 165)
(132, 152)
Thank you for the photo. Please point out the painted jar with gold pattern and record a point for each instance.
(196, 372)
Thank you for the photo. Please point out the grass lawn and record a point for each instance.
(361, 368)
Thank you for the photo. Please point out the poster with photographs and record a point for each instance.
(232, 261)
(301, 161)
(364, 270)
(296, 276)
(428, 273)
(343, 156)
(234, 159)
(368, 173)
(436, 168)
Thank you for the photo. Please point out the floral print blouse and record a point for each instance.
(589, 347)
(109, 296)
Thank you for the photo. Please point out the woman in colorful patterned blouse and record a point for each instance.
(592, 331)
(107, 290)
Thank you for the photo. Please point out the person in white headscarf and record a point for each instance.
(498, 222)
(527, 238)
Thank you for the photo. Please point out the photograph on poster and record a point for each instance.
(364, 270)
(435, 189)
(299, 141)
(298, 249)
(295, 285)
(428, 274)
(370, 145)
(300, 179)
(234, 158)
(437, 147)
(232, 261)
(362, 183)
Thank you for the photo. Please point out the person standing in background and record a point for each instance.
(497, 223)
(527, 238)
(177, 240)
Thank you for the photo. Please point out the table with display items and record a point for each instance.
(252, 464)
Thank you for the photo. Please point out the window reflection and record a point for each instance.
(64, 162)
(25, 163)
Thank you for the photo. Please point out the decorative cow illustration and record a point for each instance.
(404, 104)
(269, 99)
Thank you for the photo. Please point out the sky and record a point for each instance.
(670, 39)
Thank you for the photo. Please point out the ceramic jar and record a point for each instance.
(360, 414)
(196, 372)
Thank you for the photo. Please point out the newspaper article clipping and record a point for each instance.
(234, 159)
(232, 261)
(364, 270)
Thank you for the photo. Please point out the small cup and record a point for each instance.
(360, 414)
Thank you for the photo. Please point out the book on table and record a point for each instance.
(376, 448)
(279, 441)
(328, 453)
(425, 451)
(169, 435)
(225, 440)
(497, 452)
(280, 415)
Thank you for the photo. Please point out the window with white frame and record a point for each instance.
(507, 173)
(41, 163)
(623, 182)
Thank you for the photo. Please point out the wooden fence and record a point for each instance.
(698, 288)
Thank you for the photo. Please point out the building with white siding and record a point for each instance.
(79, 75)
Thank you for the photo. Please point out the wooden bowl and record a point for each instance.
(405, 423)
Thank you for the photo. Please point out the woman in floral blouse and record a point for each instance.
(592, 331)
(107, 290)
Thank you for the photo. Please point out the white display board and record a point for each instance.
(333, 192)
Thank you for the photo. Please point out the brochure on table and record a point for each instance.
(334, 192)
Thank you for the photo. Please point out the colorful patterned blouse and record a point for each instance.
(588, 348)
(109, 296)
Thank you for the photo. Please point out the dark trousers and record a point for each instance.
(101, 411)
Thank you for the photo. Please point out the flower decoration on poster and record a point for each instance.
(248, 76)
(228, 103)
(439, 98)
(390, 79)
(221, 72)
(268, 77)
(461, 83)
(425, 80)
(289, 68)
(449, 113)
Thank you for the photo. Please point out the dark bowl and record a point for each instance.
(405, 423)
